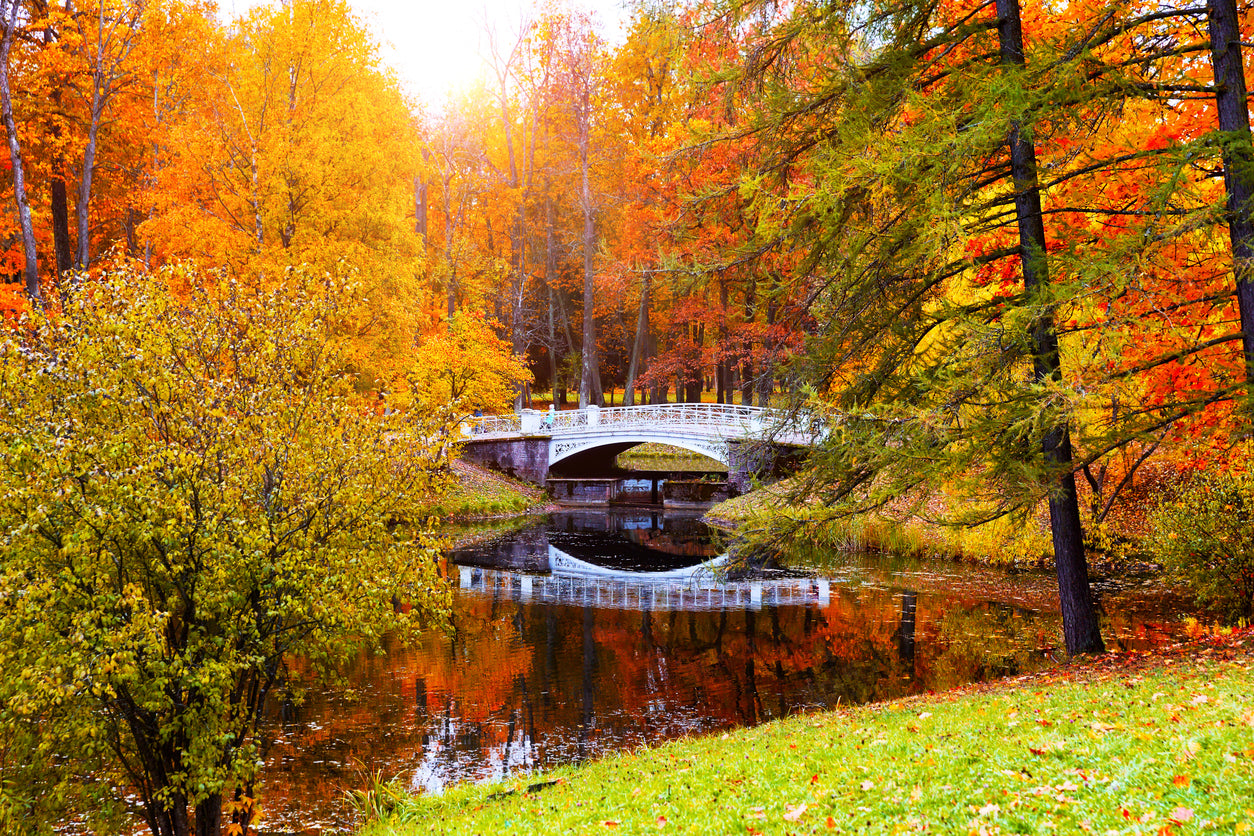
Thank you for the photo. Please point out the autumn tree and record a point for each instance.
(190, 497)
(468, 367)
(1007, 229)
(302, 151)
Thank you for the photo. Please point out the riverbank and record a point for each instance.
(477, 493)
(1128, 743)
(771, 514)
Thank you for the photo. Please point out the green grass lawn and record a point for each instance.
(1124, 744)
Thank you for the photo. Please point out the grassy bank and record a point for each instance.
(477, 493)
(770, 514)
(1121, 744)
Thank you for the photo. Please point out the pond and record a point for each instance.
(597, 632)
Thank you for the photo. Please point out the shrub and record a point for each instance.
(191, 496)
(1205, 539)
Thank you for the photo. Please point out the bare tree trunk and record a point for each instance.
(1081, 629)
(9, 10)
(1234, 120)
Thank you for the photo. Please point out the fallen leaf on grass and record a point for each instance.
(794, 813)
(867, 786)
(661, 821)
(1181, 780)
(1180, 815)
(609, 823)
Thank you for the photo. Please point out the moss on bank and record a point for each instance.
(1128, 743)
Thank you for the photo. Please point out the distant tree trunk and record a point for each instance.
(722, 375)
(552, 348)
(765, 383)
(1234, 119)
(420, 206)
(1081, 629)
(550, 273)
(589, 381)
(746, 357)
(9, 12)
(62, 244)
(638, 344)
(132, 243)
(518, 343)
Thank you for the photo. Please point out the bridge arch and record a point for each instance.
(600, 448)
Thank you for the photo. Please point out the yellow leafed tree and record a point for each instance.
(304, 152)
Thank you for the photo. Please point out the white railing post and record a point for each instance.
(594, 415)
(529, 421)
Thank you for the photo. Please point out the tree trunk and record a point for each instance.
(209, 816)
(765, 383)
(722, 374)
(1234, 120)
(591, 368)
(82, 208)
(517, 341)
(550, 273)
(420, 203)
(638, 344)
(746, 357)
(31, 267)
(1079, 617)
(132, 243)
(62, 244)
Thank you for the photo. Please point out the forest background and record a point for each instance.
(996, 250)
(1017, 253)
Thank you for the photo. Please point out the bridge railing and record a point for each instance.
(707, 419)
(492, 425)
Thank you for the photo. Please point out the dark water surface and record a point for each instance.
(599, 632)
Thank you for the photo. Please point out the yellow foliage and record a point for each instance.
(466, 365)
(191, 494)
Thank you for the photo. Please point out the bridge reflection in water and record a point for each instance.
(577, 582)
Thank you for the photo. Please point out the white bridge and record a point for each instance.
(707, 429)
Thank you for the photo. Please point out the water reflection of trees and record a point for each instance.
(524, 685)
